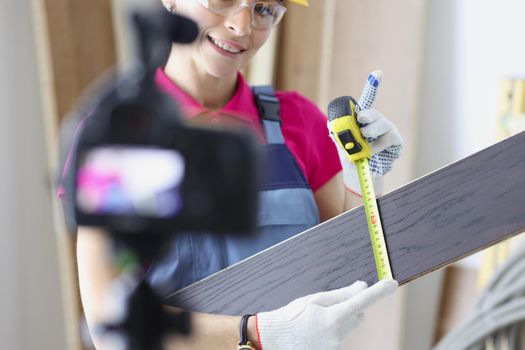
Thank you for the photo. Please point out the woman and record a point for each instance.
(203, 78)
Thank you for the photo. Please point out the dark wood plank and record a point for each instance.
(428, 224)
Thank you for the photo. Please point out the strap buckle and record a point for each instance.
(267, 103)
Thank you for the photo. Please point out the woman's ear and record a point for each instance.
(169, 5)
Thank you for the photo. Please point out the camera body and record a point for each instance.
(139, 168)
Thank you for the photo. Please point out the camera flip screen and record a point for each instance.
(131, 181)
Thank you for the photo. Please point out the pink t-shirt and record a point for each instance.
(303, 125)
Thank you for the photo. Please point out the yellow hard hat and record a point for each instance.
(301, 2)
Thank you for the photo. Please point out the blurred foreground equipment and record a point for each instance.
(142, 175)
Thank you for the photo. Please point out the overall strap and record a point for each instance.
(269, 112)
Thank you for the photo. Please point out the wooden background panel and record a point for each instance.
(299, 57)
(328, 50)
(386, 35)
(82, 46)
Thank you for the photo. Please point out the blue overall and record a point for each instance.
(286, 207)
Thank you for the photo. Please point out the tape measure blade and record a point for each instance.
(373, 219)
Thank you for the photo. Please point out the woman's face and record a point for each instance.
(225, 44)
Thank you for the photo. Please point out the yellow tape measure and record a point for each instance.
(342, 114)
(377, 237)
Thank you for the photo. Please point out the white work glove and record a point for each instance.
(319, 321)
(386, 144)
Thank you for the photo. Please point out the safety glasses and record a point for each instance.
(263, 14)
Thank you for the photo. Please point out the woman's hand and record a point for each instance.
(386, 144)
(322, 320)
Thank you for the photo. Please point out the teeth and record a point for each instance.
(224, 46)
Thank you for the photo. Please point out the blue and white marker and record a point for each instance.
(369, 92)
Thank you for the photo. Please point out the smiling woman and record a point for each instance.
(226, 44)
(303, 187)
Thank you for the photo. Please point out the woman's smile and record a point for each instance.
(226, 45)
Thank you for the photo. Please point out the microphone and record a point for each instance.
(181, 29)
(156, 31)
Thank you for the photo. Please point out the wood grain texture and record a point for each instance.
(81, 45)
(428, 224)
(299, 55)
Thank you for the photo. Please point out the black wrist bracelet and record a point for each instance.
(244, 344)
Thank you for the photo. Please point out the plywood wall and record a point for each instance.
(328, 50)
(81, 46)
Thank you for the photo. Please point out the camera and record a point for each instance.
(139, 168)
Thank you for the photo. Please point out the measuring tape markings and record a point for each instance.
(346, 131)
(375, 228)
